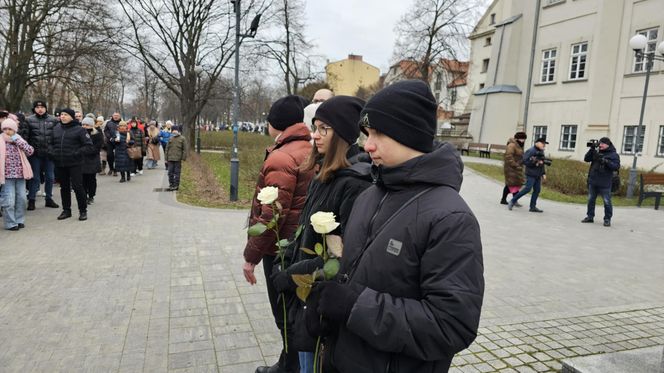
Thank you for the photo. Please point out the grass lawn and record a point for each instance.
(206, 178)
(496, 172)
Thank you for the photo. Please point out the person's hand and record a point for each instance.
(15, 137)
(248, 270)
(281, 280)
(543, 177)
(337, 300)
(539, 163)
(314, 323)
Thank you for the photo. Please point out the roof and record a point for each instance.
(409, 70)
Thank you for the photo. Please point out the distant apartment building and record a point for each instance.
(564, 69)
(345, 77)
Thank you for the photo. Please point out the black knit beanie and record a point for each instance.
(406, 112)
(342, 113)
(287, 111)
(39, 103)
(69, 111)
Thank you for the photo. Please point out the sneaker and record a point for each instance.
(110, 173)
(607, 223)
(21, 225)
(122, 180)
(83, 216)
(535, 209)
(132, 174)
(91, 200)
(14, 228)
(31, 204)
(51, 203)
(140, 172)
(64, 215)
(517, 204)
(587, 220)
(510, 204)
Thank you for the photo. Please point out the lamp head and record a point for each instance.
(638, 42)
(660, 48)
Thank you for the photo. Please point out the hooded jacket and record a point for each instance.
(92, 162)
(176, 150)
(70, 142)
(39, 132)
(602, 165)
(420, 264)
(513, 163)
(281, 168)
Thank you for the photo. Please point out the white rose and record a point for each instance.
(268, 195)
(323, 222)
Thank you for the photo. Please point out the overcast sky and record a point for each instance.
(364, 27)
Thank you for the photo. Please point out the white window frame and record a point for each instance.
(631, 132)
(539, 131)
(651, 35)
(568, 136)
(485, 65)
(660, 145)
(578, 58)
(548, 72)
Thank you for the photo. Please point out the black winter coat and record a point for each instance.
(602, 165)
(530, 160)
(110, 130)
(69, 144)
(420, 264)
(92, 162)
(39, 133)
(337, 196)
(122, 161)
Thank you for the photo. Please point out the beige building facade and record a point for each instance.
(564, 69)
(345, 77)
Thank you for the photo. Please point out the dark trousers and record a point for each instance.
(288, 362)
(534, 184)
(90, 184)
(605, 192)
(174, 169)
(71, 178)
(110, 156)
(41, 165)
(138, 165)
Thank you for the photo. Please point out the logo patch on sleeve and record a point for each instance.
(394, 247)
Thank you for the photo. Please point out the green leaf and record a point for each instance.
(298, 232)
(303, 292)
(283, 243)
(256, 229)
(303, 280)
(271, 224)
(319, 249)
(331, 268)
(308, 251)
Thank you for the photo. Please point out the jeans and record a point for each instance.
(72, 178)
(534, 183)
(605, 192)
(110, 156)
(38, 165)
(174, 169)
(13, 202)
(306, 361)
(151, 163)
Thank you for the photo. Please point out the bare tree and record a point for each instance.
(432, 30)
(173, 37)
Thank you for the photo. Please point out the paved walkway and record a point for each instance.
(150, 285)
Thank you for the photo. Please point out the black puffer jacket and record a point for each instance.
(336, 196)
(420, 262)
(69, 144)
(110, 130)
(40, 133)
(92, 162)
(602, 165)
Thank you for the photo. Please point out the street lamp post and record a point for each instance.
(235, 161)
(198, 70)
(639, 44)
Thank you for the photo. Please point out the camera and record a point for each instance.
(541, 157)
(592, 143)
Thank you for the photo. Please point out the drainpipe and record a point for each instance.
(532, 63)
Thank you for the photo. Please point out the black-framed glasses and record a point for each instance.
(322, 130)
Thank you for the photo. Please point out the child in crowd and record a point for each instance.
(14, 171)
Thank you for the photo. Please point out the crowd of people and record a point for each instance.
(410, 284)
(71, 149)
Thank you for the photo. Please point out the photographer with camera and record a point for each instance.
(535, 162)
(604, 160)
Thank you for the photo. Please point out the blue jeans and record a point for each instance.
(534, 183)
(38, 165)
(151, 163)
(605, 192)
(306, 361)
(13, 202)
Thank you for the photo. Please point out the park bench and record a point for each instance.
(497, 148)
(481, 148)
(652, 185)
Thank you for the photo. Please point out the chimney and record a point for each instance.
(355, 57)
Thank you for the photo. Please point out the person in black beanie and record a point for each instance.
(604, 161)
(287, 111)
(39, 133)
(513, 166)
(409, 290)
(73, 143)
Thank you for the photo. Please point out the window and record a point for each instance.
(568, 137)
(485, 65)
(481, 85)
(651, 35)
(548, 66)
(628, 139)
(452, 93)
(439, 81)
(493, 18)
(487, 42)
(539, 131)
(660, 145)
(577, 68)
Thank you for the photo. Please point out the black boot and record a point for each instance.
(122, 179)
(83, 215)
(506, 191)
(65, 214)
(51, 203)
(31, 204)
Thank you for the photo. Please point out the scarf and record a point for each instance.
(25, 164)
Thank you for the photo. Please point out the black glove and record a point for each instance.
(315, 324)
(337, 300)
(603, 160)
(281, 280)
